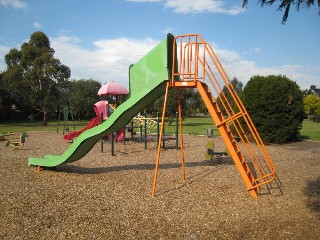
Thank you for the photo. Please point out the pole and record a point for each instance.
(112, 144)
(177, 131)
(101, 140)
(181, 137)
(58, 120)
(145, 130)
(158, 127)
(159, 143)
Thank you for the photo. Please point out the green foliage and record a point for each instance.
(34, 76)
(312, 90)
(82, 96)
(225, 96)
(190, 99)
(312, 106)
(275, 104)
(285, 5)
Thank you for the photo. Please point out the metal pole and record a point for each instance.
(145, 130)
(181, 137)
(159, 143)
(58, 120)
(112, 144)
(163, 130)
(101, 140)
(124, 135)
(158, 127)
(140, 129)
(177, 131)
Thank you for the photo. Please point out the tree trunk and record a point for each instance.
(45, 118)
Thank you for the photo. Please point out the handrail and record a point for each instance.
(197, 61)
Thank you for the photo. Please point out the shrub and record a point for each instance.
(275, 104)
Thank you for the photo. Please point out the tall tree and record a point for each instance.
(82, 96)
(286, 5)
(36, 74)
(312, 90)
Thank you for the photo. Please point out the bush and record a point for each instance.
(275, 104)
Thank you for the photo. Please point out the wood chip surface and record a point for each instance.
(109, 197)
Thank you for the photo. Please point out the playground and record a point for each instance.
(109, 197)
(225, 187)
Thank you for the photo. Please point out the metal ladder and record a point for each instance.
(197, 66)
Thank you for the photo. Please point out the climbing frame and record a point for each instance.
(196, 65)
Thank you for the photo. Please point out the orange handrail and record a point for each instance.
(198, 66)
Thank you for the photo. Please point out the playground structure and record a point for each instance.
(17, 143)
(65, 112)
(101, 110)
(212, 154)
(185, 61)
(144, 124)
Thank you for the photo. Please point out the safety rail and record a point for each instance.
(198, 65)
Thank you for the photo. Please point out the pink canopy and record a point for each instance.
(113, 88)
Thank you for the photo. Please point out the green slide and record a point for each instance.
(147, 81)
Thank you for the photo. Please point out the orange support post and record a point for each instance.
(198, 67)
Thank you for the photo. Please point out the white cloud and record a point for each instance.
(243, 69)
(199, 6)
(257, 50)
(13, 3)
(3, 51)
(37, 25)
(111, 58)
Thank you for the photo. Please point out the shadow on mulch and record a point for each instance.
(147, 166)
(313, 192)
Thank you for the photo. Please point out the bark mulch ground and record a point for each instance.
(109, 197)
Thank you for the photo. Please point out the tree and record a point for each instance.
(312, 90)
(225, 95)
(83, 95)
(275, 104)
(35, 74)
(190, 100)
(285, 5)
(311, 105)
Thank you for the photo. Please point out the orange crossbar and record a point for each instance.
(198, 67)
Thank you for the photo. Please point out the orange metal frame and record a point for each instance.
(198, 67)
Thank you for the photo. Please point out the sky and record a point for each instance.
(99, 39)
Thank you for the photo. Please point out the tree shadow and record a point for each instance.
(312, 191)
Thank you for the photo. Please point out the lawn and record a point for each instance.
(37, 127)
(310, 130)
(193, 126)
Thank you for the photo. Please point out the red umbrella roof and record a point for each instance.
(113, 88)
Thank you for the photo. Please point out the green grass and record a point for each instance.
(194, 126)
(310, 130)
(36, 126)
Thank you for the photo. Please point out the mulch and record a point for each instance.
(109, 197)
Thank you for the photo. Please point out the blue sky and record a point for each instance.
(99, 39)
